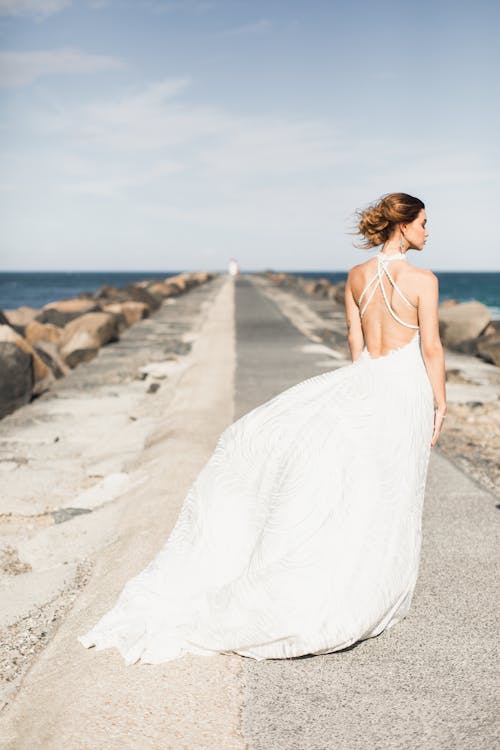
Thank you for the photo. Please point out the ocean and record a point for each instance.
(483, 286)
(35, 289)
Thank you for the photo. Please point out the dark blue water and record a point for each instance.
(483, 286)
(36, 289)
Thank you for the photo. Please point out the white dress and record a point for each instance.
(302, 532)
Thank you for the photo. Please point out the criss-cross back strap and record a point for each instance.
(382, 268)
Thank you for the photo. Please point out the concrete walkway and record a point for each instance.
(429, 681)
(78, 699)
(426, 683)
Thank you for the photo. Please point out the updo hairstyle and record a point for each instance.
(377, 222)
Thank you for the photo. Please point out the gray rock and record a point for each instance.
(36, 331)
(16, 377)
(49, 354)
(177, 346)
(142, 295)
(5, 321)
(20, 316)
(340, 292)
(129, 312)
(163, 289)
(83, 337)
(488, 348)
(492, 327)
(318, 287)
(109, 293)
(463, 321)
(62, 312)
(41, 373)
(66, 514)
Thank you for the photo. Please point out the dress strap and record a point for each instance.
(382, 263)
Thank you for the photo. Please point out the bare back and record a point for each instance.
(385, 291)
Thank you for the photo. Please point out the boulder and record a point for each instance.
(4, 321)
(62, 312)
(488, 348)
(16, 377)
(143, 283)
(311, 287)
(164, 289)
(36, 331)
(115, 309)
(321, 287)
(465, 320)
(110, 294)
(49, 353)
(137, 294)
(21, 316)
(492, 327)
(42, 375)
(290, 282)
(120, 318)
(181, 280)
(339, 295)
(131, 311)
(448, 303)
(201, 277)
(468, 346)
(186, 281)
(85, 295)
(277, 278)
(337, 292)
(140, 291)
(83, 337)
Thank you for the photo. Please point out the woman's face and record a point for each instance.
(415, 232)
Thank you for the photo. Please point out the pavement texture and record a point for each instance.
(429, 681)
(426, 683)
(78, 699)
(70, 460)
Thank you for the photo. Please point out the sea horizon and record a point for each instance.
(38, 288)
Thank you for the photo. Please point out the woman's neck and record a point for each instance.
(393, 248)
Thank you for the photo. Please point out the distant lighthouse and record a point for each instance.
(233, 267)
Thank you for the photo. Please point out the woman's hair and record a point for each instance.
(377, 222)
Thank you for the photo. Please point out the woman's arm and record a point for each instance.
(432, 348)
(354, 330)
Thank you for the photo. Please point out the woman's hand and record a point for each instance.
(438, 424)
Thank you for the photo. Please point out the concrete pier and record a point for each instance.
(426, 683)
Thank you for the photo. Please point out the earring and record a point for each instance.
(402, 243)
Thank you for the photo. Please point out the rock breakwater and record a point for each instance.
(40, 346)
(465, 327)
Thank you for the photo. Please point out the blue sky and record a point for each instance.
(162, 134)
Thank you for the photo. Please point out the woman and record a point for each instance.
(301, 534)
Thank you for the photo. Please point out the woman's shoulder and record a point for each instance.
(425, 276)
(361, 266)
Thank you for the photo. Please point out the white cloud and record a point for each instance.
(152, 169)
(258, 27)
(37, 8)
(156, 118)
(272, 145)
(118, 180)
(21, 68)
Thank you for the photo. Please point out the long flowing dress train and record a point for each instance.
(302, 532)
